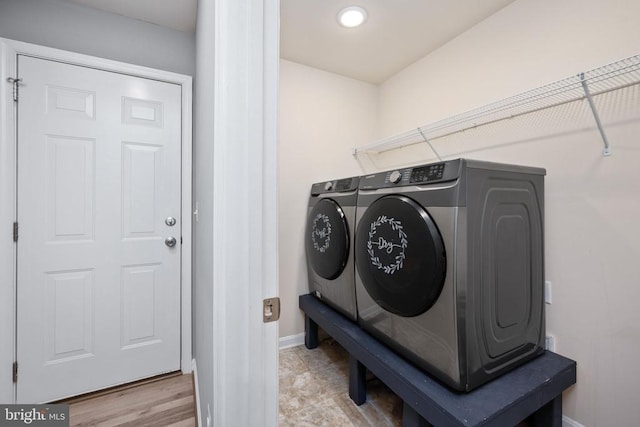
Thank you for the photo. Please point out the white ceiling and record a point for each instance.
(396, 34)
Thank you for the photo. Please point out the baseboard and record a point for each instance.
(568, 422)
(194, 371)
(291, 341)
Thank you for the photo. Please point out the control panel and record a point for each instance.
(346, 184)
(425, 174)
(395, 177)
(339, 186)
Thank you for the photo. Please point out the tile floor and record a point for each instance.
(314, 391)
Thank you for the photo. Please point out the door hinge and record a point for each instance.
(15, 372)
(270, 309)
(15, 231)
(16, 84)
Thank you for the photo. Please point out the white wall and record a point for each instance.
(592, 203)
(322, 115)
(525, 45)
(70, 26)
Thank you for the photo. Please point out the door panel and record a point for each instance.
(68, 317)
(70, 188)
(139, 314)
(99, 158)
(140, 167)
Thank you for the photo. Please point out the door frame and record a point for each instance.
(9, 49)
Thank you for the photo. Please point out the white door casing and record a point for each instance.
(133, 246)
(245, 72)
(7, 217)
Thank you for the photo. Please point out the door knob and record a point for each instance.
(170, 241)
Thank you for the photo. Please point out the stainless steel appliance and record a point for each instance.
(329, 238)
(450, 266)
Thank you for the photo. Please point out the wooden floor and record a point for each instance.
(168, 401)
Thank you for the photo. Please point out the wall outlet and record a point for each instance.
(550, 343)
(547, 292)
(208, 416)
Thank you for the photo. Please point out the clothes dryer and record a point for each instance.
(329, 243)
(450, 270)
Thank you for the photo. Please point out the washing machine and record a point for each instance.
(329, 239)
(450, 266)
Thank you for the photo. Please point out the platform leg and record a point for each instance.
(550, 415)
(310, 333)
(357, 381)
(411, 418)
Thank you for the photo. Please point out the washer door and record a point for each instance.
(327, 239)
(400, 256)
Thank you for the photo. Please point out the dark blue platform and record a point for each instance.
(533, 389)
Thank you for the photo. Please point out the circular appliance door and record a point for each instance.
(327, 239)
(400, 256)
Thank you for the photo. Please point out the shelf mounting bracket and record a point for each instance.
(607, 149)
(430, 146)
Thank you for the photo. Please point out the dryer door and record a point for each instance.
(327, 239)
(400, 255)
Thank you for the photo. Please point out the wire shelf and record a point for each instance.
(590, 85)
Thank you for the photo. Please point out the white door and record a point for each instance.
(98, 176)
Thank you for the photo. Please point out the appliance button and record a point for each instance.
(328, 186)
(395, 177)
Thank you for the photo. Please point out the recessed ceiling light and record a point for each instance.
(352, 16)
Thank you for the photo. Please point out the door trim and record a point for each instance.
(9, 49)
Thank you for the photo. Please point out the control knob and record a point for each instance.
(395, 177)
(328, 186)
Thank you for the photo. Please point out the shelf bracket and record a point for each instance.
(607, 149)
(430, 146)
